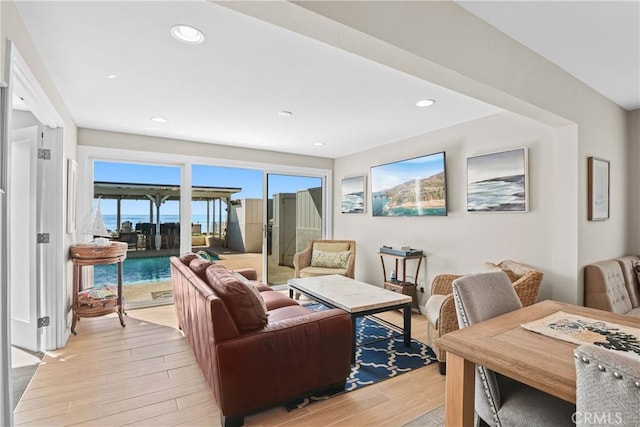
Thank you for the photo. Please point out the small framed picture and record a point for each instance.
(353, 191)
(598, 188)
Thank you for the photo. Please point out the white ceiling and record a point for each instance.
(598, 42)
(230, 89)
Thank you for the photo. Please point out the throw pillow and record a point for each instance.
(495, 267)
(188, 257)
(243, 303)
(199, 266)
(254, 287)
(636, 268)
(329, 259)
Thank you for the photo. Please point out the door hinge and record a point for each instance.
(43, 321)
(43, 238)
(44, 153)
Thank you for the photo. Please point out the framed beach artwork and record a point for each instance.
(353, 191)
(413, 187)
(498, 182)
(598, 188)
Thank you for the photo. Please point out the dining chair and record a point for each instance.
(607, 387)
(499, 400)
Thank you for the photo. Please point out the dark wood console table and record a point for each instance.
(90, 255)
(403, 286)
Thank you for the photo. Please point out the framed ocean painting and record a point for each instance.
(498, 182)
(353, 191)
(413, 187)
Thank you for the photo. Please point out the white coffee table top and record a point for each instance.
(348, 294)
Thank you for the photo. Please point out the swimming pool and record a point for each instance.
(135, 271)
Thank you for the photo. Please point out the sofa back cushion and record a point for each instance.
(605, 287)
(242, 303)
(331, 246)
(187, 257)
(199, 266)
(627, 264)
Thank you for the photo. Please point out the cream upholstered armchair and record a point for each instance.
(441, 311)
(323, 257)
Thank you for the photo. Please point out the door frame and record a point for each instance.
(88, 153)
(20, 79)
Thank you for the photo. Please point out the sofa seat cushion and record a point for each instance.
(321, 271)
(288, 312)
(274, 299)
(261, 286)
(243, 304)
(635, 312)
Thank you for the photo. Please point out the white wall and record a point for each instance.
(245, 225)
(443, 43)
(236, 156)
(12, 28)
(461, 242)
(633, 164)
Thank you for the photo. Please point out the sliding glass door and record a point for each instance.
(140, 205)
(294, 217)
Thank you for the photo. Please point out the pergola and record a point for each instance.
(157, 194)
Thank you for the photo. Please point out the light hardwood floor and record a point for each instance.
(145, 375)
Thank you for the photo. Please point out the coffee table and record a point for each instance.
(356, 298)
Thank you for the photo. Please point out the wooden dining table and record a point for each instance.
(502, 345)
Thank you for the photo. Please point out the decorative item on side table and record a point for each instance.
(94, 302)
(88, 304)
(397, 281)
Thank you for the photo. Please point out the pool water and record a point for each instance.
(135, 271)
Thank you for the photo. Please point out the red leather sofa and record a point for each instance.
(254, 358)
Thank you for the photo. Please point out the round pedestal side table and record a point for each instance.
(90, 255)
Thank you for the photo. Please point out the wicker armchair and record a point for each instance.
(441, 311)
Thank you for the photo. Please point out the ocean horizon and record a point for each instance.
(110, 220)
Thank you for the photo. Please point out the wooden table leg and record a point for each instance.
(77, 269)
(460, 390)
(407, 325)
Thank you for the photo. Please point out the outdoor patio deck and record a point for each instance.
(160, 292)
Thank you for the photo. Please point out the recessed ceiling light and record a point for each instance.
(318, 144)
(112, 76)
(285, 113)
(159, 119)
(187, 34)
(425, 103)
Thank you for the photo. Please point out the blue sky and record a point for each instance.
(392, 174)
(250, 180)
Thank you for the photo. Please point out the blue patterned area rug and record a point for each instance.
(376, 361)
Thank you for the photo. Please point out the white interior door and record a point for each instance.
(23, 196)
